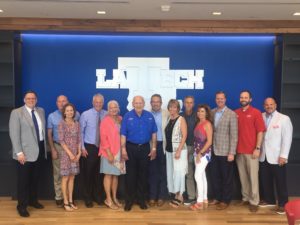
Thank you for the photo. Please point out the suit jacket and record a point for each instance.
(226, 133)
(277, 139)
(23, 135)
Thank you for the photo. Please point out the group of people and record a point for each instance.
(163, 153)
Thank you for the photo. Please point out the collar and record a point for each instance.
(29, 109)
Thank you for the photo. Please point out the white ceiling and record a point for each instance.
(151, 9)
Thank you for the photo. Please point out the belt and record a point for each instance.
(56, 143)
(139, 145)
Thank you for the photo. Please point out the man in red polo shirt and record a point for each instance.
(250, 134)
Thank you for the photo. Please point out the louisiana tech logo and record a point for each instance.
(147, 76)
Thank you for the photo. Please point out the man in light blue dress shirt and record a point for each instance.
(90, 161)
(158, 191)
(54, 119)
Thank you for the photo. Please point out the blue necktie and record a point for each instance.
(36, 126)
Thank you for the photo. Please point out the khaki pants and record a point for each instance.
(248, 171)
(56, 173)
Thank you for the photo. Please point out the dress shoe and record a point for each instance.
(23, 212)
(242, 203)
(221, 206)
(36, 205)
(128, 206)
(152, 203)
(89, 204)
(253, 208)
(143, 205)
(213, 202)
(59, 203)
(160, 202)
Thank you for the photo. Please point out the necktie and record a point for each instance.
(36, 126)
(98, 121)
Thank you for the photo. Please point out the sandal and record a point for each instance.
(175, 203)
(117, 203)
(73, 206)
(68, 208)
(196, 206)
(111, 205)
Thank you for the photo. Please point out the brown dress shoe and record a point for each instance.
(160, 202)
(253, 208)
(213, 202)
(222, 206)
(242, 203)
(152, 203)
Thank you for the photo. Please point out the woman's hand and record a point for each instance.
(110, 158)
(177, 154)
(198, 158)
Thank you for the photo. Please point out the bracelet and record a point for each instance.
(202, 153)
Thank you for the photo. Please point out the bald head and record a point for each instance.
(270, 105)
(61, 101)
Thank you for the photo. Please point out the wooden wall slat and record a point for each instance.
(177, 26)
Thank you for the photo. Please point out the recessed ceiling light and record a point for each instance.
(101, 12)
(296, 14)
(165, 8)
(1, 11)
(217, 13)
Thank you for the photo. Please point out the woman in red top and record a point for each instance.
(203, 133)
(109, 150)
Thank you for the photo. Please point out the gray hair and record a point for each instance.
(98, 95)
(112, 102)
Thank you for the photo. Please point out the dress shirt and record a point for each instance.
(158, 121)
(191, 123)
(218, 116)
(138, 129)
(89, 123)
(53, 121)
(268, 119)
(39, 121)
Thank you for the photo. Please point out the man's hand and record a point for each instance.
(230, 157)
(21, 158)
(152, 154)
(282, 161)
(255, 154)
(84, 153)
(54, 153)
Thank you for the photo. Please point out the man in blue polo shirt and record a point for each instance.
(137, 130)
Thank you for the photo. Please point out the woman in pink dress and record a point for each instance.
(203, 134)
(69, 138)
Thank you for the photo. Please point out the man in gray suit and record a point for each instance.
(27, 133)
(224, 149)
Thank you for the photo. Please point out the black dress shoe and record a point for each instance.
(23, 212)
(36, 205)
(128, 206)
(143, 205)
(89, 204)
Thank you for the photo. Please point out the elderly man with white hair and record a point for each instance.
(137, 130)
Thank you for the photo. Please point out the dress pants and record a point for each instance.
(90, 175)
(158, 175)
(222, 178)
(271, 173)
(136, 178)
(56, 173)
(190, 177)
(28, 179)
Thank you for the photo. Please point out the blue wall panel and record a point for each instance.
(55, 64)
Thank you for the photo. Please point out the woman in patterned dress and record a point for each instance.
(70, 140)
(203, 133)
